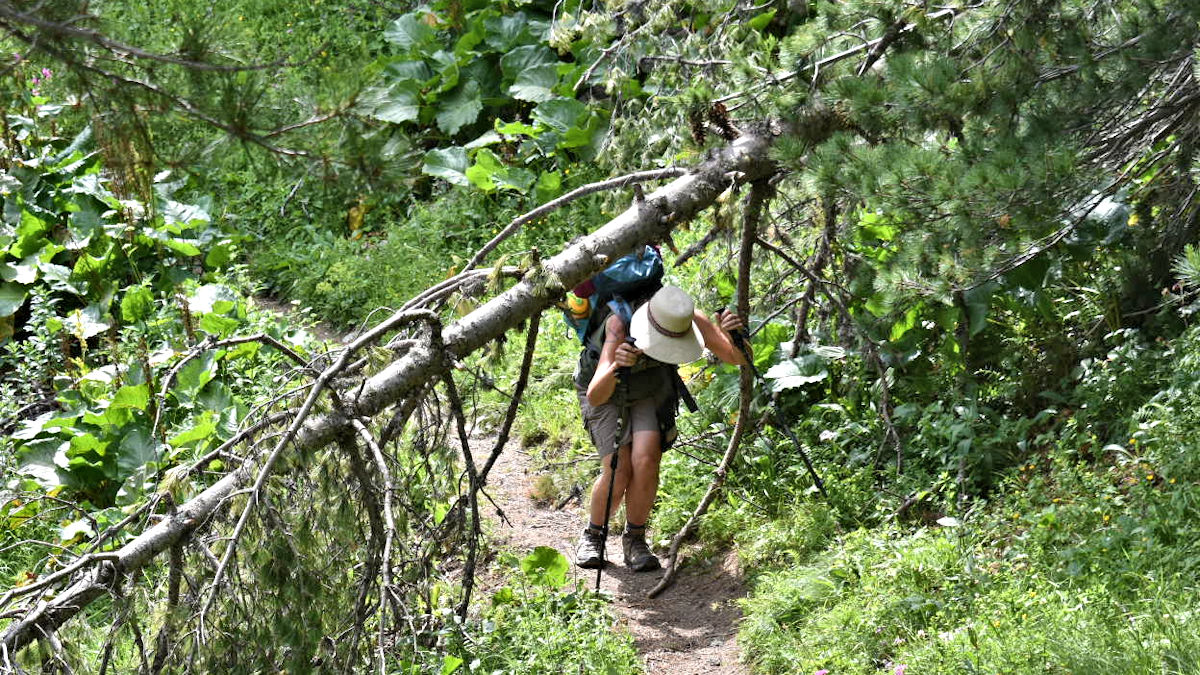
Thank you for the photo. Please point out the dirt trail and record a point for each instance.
(687, 630)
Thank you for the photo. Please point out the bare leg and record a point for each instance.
(643, 486)
(600, 487)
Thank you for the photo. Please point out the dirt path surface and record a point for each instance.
(687, 630)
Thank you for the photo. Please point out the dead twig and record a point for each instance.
(581, 191)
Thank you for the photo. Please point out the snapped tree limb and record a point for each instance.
(742, 161)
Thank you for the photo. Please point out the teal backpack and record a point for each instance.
(618, 289)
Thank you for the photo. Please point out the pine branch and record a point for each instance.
(176, 101)
(816, 66)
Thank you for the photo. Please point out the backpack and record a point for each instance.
(632, 277)
(618, 289)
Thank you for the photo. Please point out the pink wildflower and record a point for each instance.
(36, 81)
(46, 73)
(821, 672)
(901, 668)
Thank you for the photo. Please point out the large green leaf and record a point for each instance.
(978, 300)
(137, 304)
(194, 375)
(137, 449)
(1031, 274)
(88, 448)
(12, 296)
(561, 114)
(460, 108)
(472, 37)
(219, 254)
(446, 66)
(489, 173)
(588, 137)
(517, 61)
(505, 32)
(30, 235)
(545, 567)
(516, 128)
(184, 247)
(203, 429)
(399, 71)
(79, 528)
(905, 323)
(797, 372)
(84, 224)
(535, 84)
(39, 460)
(549, 186)
(24, 272)
(135, 396)
(220, 326)
(409, 32)
(397, 103)
(217, 397)
(213, 298)
(450, 664)
(178, 213)
(449, 164)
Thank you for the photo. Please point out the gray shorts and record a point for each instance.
(604, 420)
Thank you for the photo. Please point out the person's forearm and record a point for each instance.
(729, 352)
(603, 383)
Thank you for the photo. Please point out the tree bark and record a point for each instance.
(741, 161)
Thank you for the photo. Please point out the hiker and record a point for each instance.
(667, 330)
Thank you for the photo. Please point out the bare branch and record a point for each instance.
(267, 466)
(581, 191)
(759, 192)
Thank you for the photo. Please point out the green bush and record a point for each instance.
(542, 622)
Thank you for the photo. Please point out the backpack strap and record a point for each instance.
(682, 391)
(621, 307)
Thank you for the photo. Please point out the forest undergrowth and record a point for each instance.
(971, 296)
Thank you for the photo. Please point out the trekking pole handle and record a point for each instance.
(738, 335)
(739, 340)
(623, 371)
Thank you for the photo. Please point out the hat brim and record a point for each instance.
(662, 347)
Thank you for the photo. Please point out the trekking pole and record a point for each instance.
(739, 340)
(622, 380)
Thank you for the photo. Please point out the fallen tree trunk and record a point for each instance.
(646, 221)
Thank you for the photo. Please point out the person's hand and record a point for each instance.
(626, 355)
(730, 321)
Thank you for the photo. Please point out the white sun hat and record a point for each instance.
(663, 327)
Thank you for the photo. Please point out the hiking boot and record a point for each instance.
(589, 555)
(638, 556)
